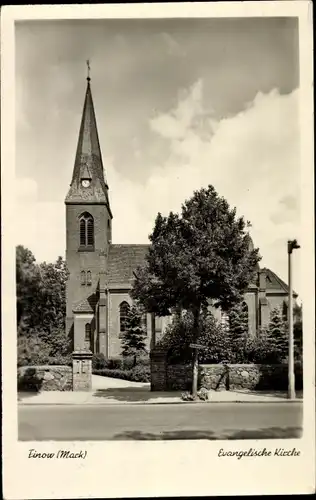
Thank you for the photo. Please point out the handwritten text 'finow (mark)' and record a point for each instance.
(60, 454)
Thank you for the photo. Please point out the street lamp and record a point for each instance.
(291, 245)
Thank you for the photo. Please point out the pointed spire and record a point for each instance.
(88, 162)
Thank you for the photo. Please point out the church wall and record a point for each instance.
(251, 300)
(115, 300)
(80, 323)
(275, 300)
(115, 345)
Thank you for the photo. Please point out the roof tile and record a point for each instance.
(123, 261)
(85, 305)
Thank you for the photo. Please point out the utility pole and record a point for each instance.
(291, 245)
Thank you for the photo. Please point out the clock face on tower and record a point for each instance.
(85, 183)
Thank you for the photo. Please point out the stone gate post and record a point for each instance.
(82, 370)
(158, 370)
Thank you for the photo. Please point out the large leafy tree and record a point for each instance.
(27, 284)
(41, 293)
(202, 254)
(51, 312)
(41, 302)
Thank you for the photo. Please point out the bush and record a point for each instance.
(203, 394)
(261, 350)
(107, 372)
(65, 360)
(220, 345)
(179, 336)
(29, 381)
(145, 361)
(141, 374)
(38, 348)
(137, 374)
(126, 363)
(114, 364)
(98, 361)
(187, 396)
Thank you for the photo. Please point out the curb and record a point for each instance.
(138, 403)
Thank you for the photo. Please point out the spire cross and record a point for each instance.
(88, 66)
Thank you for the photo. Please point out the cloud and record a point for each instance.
(251, 158)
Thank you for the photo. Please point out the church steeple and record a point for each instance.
(88, 183)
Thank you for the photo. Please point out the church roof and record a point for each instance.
(88, 161)
(123, 261)
(274, 282)
(85, 305)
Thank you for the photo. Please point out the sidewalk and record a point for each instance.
(143, 396)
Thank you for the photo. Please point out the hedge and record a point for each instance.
(99, 362)
(137, 374)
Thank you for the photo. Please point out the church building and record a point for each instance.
(101, 273)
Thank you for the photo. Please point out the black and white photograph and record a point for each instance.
(161, 242)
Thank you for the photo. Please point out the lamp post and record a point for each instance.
(291, 245)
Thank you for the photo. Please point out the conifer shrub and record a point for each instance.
(133, 341)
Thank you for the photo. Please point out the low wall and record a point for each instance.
(228, 377)
(45, 378)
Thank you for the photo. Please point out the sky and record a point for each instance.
(180, 104)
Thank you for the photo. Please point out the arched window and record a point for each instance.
(89, 280)
(86, 230)
(83, 277)
(124, 310)
(88, 332)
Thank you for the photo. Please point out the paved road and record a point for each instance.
(152, 422)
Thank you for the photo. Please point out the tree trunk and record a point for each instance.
(195, 361)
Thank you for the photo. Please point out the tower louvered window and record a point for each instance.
(89, 281)
(86, 230)
(83, 277)
(90, 232)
